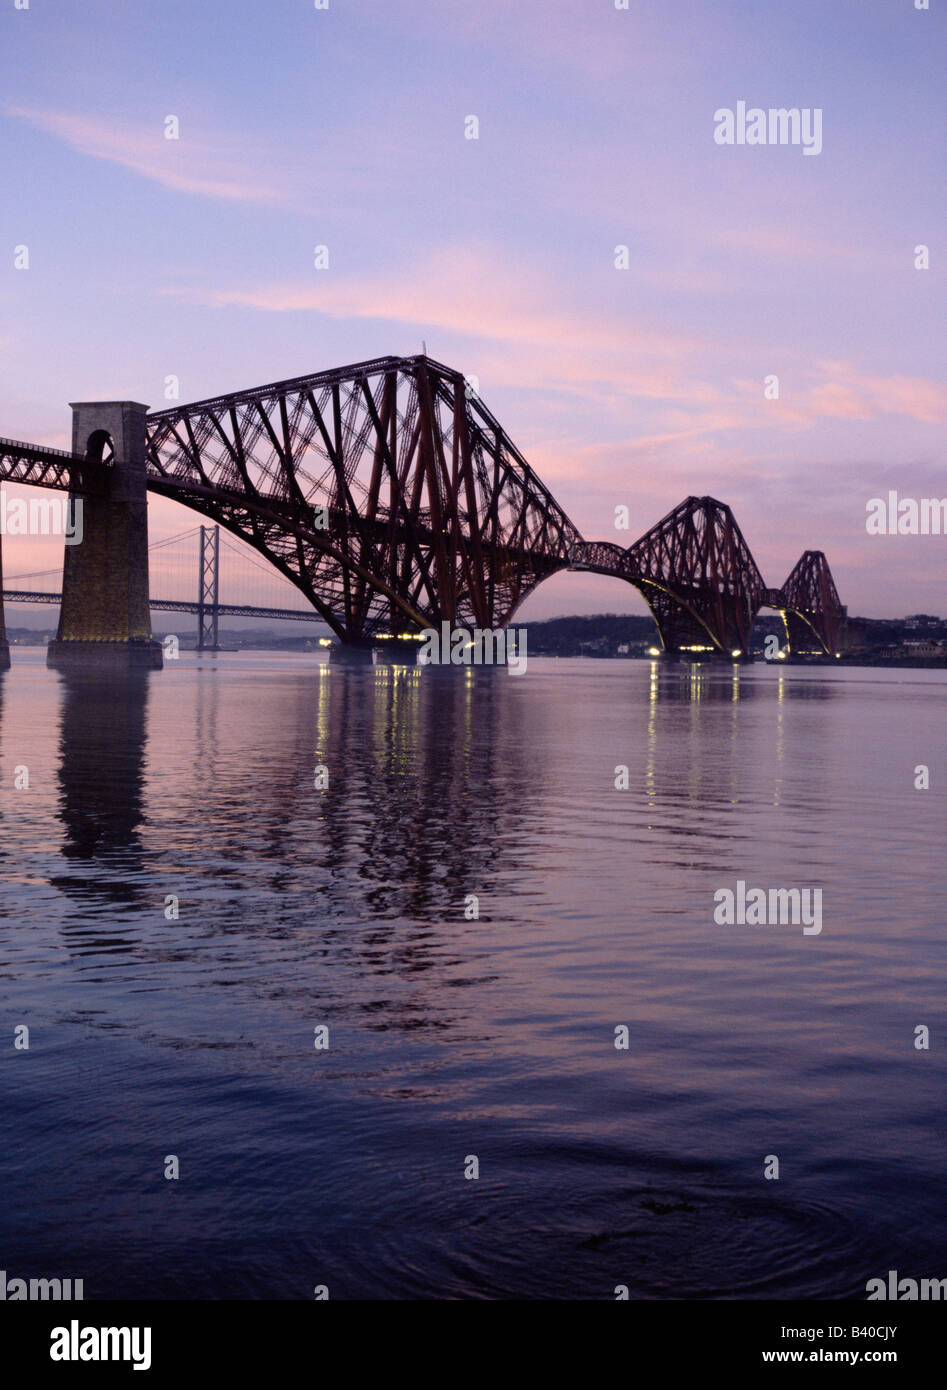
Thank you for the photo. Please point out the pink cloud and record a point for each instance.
(463, 289)
(525, 332)
(853, 394)
(186, 165)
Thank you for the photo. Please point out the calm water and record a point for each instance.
(452, 1037)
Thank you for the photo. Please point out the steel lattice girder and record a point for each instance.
(696, 572)
(704, 587)
(811, 606)
(37, 466)
(390, 496)
(699, 576)
(398, 495)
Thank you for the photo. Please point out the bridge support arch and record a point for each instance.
(696, 624)
(104, 618)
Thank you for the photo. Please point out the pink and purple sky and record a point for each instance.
(345, 127)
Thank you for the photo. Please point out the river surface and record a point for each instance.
(458, 1041)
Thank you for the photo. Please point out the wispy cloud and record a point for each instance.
(523, 330)
(210, 169)
(848, 393)
(476, 291)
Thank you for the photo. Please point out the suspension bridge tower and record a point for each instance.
(208, 590)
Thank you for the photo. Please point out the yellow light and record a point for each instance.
(736, 652)
(782, 656)
(654, 651)
(325, 641)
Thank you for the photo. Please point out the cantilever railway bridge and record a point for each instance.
(393, 500)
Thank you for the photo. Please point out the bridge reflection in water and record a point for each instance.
(416, 739)
(344, 906)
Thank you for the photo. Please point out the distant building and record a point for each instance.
(925, 648)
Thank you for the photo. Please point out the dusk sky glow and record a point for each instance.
(345, 128)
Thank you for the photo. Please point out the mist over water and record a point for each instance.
(452, 1037)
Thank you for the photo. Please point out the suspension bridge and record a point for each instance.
(392, 500)
(188, 572)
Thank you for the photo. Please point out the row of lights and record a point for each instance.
(381, 637)
(737, 651)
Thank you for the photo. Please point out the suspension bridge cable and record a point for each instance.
(172, 540)
(34, 574)
(177, 566)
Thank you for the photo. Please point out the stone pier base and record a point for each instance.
(397, 653)
(4, 656)
(347, 654)
(70, 655)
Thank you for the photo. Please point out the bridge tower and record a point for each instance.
(104, 618)
(701, 582)
(813, 614)
(208, 592)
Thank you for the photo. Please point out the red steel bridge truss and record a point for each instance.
(394, 500)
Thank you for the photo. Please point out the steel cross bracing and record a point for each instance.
(38, 466)
(386, 491)
(705, 589)
(698, 575)
(393, 500)
(815, 617)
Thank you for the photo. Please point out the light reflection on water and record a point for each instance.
(449, 1036)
